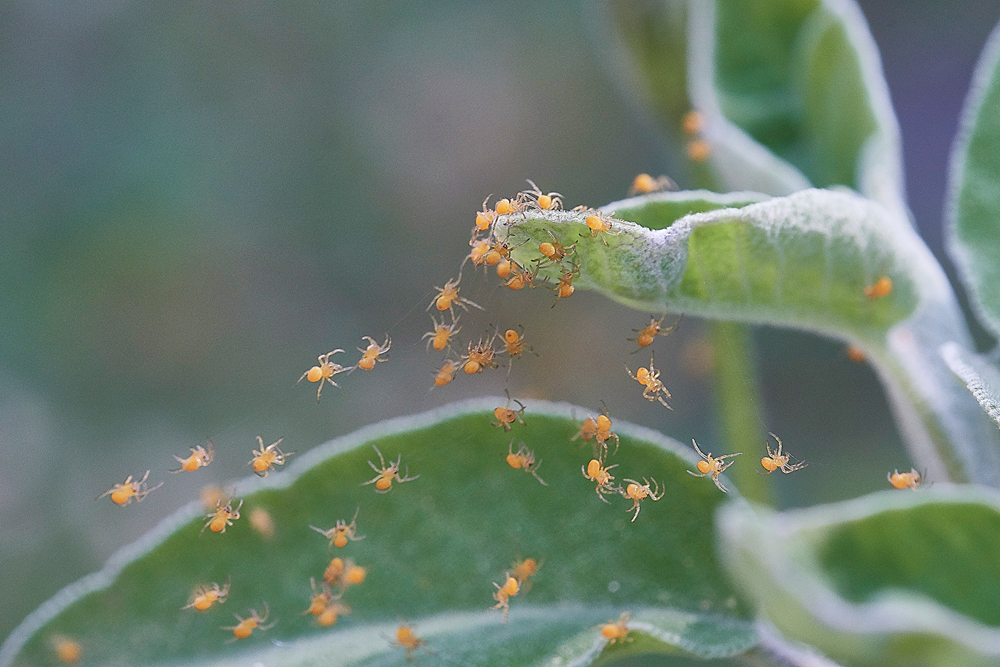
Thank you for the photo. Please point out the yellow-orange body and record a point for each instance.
(266, 458)
(387, 474)
(440, 337)
(372, 353)
(503, 594)
(199, 458)
(324, 371)
(204, 598)
(124, 493)
(523, 459)
(597, 472)
(246, 626)
(637, 492)
(407, 640)
(905, 480)
(222, 517)
(505, 417)
(342, 532)
(654, 389)
(616, 631)
(881, 288)
(712, 466)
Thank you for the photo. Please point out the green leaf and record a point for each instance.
(895, 578)
(791, 91)
(433, 547)
(973, 229)
(801, 261)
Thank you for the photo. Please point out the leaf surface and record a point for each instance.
(973, 229)
(433, 548)
(895, 578)
(802, 261)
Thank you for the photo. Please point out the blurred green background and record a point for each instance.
(198, 198)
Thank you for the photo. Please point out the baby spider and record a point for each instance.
(881, 288)
(549, 202)
(478, 253)
(266, 458)
(372, 353)
(342, 532)
(500, 252)
(446, 373)
(199, 458)
(699, 150)
(554, 251)
(324, 372)
(652, 330)
(514, 346)
(617, 631)
(505, 416)
(522, 278)
(447, 298)
(905, 480)
(485, 217)
(320, 599)
(124, 493)
(407, 640)
(505, 267)
(387, 474)
(442, 334)
(599, 429)
(344, 573)
(637, 492)
(203, 597)
(480, 356)
(523, 459)
(222, 516)
(596, 472)
(600, 225)
(649, 378)
(246, 626)
(564, 289)
(777, 461)
(67, 649)
(692, 123)
(333, 611)
(644, 184)
(514, 343)
(522, 570)
(503, 595)
(712, 465)
(508, 206)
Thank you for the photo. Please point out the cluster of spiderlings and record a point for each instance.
(491, 246)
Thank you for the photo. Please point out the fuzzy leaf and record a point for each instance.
(895, 578)
(980, 377)
(801, 261)
(973, 229)
(433, 547)
(791, 91)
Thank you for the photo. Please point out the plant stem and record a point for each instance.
(739, 399)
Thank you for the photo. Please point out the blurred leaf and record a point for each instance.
(981, 377)
(433, 547)
(974, 197)
(895, 578)
(801, 261)
(791, 91)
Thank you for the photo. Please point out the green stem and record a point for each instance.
(738, 396)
